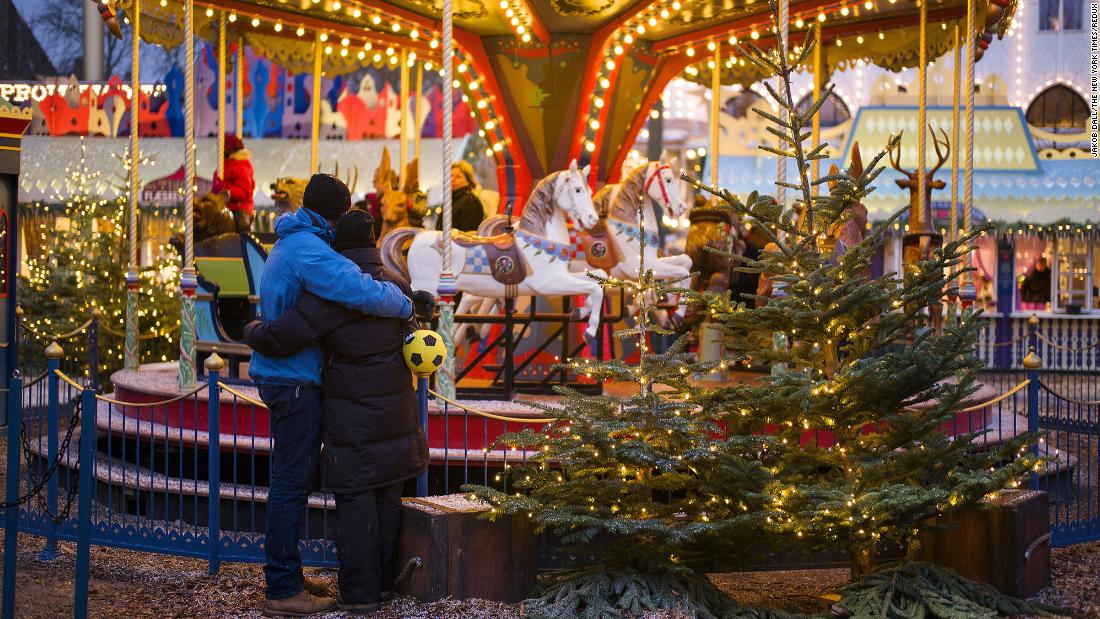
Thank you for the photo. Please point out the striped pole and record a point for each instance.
(445, 378)
(131, 353)
(188, 279)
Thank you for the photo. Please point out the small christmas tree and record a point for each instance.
(638, 481)
(81, 269)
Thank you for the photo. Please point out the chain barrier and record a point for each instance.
(36, 484)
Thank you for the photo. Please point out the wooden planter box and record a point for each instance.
(1005, 543)
(462, 555)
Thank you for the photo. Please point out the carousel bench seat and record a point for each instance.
(209, 332)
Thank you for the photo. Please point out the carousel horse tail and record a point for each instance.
(393, 250)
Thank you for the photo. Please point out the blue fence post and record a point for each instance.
(93, 349)
(1032, 363)
(84, 500)
(11, 496)
(1033, 332)
(214, 365)
(53, 363)
(422, 403)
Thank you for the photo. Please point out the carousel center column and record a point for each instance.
(445, 378)
(188, 278)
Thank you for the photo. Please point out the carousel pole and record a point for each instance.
(188, 279)
(922, 115)
(710, 335)
(315, 105)
(417, 107)
(445, 377)
(954, 230)
(784, 26)
(221, 96)
(815, 127)
(132, 355)
(715, 110)
(403, 156)
(955, 143)
(238, 101)
(967, 291)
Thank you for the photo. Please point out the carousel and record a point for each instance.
(558, 93)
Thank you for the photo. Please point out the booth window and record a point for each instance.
(832, 113)
(1059, 109)
(741, 105)
(1073, 274)
(1060, 14)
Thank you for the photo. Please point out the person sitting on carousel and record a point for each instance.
(238, 181)
(467, 213)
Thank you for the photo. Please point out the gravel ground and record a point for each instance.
(133, 584)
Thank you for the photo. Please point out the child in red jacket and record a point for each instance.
(238, 182)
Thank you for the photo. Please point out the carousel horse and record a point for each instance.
(619, 205)
(607, 245)
(403, 204)
(533, 260)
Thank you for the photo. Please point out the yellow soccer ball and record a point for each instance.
(424, 352)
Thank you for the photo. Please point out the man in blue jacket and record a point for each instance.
(303, 261)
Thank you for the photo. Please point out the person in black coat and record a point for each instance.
(467, 213)
(371, 430)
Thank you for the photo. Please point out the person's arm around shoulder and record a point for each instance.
(331, 276)
(287, 334)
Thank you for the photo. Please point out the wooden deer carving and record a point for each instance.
(920, 217)
(922, 239)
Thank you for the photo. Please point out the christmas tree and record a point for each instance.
(81, 270)
(867, 380)
(638, 479)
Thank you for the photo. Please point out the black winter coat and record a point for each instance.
(371, 427)
(466, 211)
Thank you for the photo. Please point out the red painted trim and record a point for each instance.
(474, 50)
(597, 49)
(537, 27)
(667, 68)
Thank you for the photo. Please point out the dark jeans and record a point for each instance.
(367, 524)
(296, 450)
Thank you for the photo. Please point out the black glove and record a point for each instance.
(423, 305)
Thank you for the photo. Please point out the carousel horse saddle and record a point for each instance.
(498, 254)
(599, 246)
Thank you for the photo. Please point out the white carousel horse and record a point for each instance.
(541, 236)
(619, 204)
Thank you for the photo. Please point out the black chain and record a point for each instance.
(38, 485)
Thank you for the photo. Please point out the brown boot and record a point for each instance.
(301, 605)
(315, 586)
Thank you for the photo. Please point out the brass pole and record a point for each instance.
(130, 346)
(315, 121)
(419, 103)
(403, 151)
(221, 95)
(955, 143)
(922, 115)
(815, 165)
(715, 109)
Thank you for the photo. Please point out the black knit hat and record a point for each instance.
(327, 196)
(355, 230)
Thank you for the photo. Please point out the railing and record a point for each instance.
(187, 475)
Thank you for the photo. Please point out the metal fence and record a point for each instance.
(187, 475)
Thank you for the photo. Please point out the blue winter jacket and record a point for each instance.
(302, 261)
